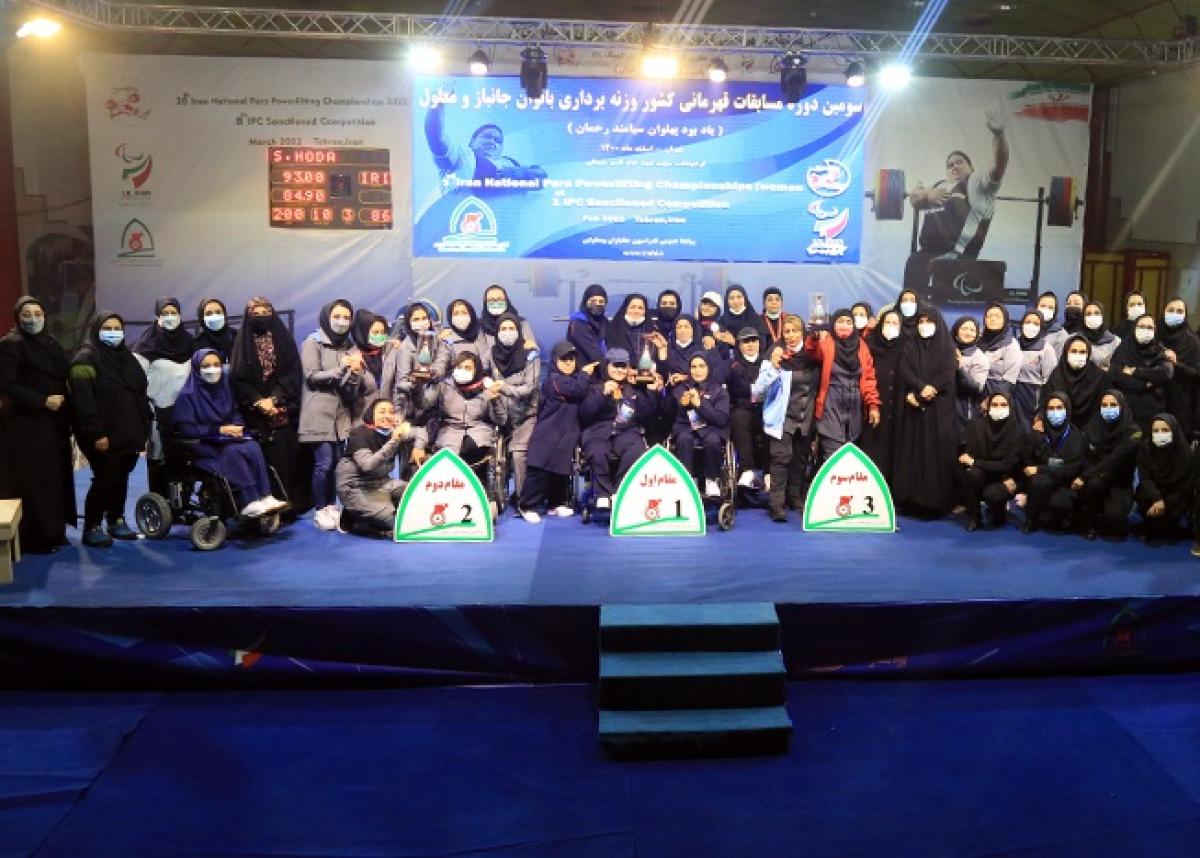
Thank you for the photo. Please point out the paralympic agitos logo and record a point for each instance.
(137, 166)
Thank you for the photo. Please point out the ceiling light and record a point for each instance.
(717, 70)
(479, 63)
(793, 76)
(856, 74)
(534, 72)
(424, 58)
(895, 76)
(42, 28)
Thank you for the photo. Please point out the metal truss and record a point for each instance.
(201, 20)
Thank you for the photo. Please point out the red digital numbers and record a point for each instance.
(304, 177)
(347, 215)
(375, 178)
(375, 215)
(321, 215)
(303, 156)
(287, 214)
(304, 195)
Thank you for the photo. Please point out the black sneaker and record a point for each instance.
(120, 530)
(95, 537)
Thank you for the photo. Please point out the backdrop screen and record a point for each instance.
(627, 170)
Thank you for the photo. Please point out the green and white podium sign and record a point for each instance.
(658, 497)
(849, 495)
(444, 502)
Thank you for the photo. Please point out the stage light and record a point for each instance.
(718, 71)
(534, 74)
(41, 28)
(895, 76)
(856, 74)
(659, 64)
(479, 63)
(424, 58)
(793, 76)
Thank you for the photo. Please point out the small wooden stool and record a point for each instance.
(10, 535)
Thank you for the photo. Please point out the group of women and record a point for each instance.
(1059, 414)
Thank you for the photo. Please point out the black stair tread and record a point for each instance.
(672, 721)
(711, 614)
(648, 665)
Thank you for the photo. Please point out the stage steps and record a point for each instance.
(692, 681)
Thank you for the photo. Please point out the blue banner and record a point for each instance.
(636, 170)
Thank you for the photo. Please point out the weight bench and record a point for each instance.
(10, 538)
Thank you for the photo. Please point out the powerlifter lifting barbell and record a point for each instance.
(1062, 205)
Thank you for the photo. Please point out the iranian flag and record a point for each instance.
(1053, 102)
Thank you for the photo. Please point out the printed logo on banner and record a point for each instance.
(830, 178)
(658, 497)
(827, 243)
(136, 168)
(137, 242)
(849, 495)
(473, 229)
(444, 502)
(127, 103)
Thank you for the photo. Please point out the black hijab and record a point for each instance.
(509, 360)
(996, 439)
(908, 324)
(1037, 343)
(621, 335)
(1073, 317)
(1054, 325)
(1102, 334)
(845, 351)
(600, 323)
(1084, 386)
(1135, 354)
(710, 383)
(1055, 434)
(338, 340)
(734, 322)
(1105, 437)
(1124, 328)
(965, 349)
(364, 436)
(879, 344)
(472, 332)
(245, 366)
(157, 343)
(1181, 339)
(360, 332)
(490, 323)
(116, 363)
(41, 351)
(220, 341)
(664, 320)
(1170, 465)
(678, 357)
(475, 385)
(989, 341)
(933, 357)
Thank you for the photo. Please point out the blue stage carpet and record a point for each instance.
(1095, 767)
(562, 562)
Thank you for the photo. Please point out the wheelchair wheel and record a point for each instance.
(208, 533)
(152, 513)
(726, 516)
(585, 515)
(267, 525)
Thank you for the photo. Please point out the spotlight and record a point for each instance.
(534, 74)
(424, 58)
(42, 28)
(479, 63)
(895, 75)
(793, 76)
(718, 71)
(856, 74)
(658, 64)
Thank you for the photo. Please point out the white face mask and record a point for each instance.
(33, 326)
(1143, 335)
(460, 321)
(419, 327)
(1135, 312)
(890, 332)
(1162, 439)
(999, 413)
(1093, 322)
(1031, 331)
(634, 321)
(339, 326)
(1077, 361)
(907, 308)
(112, 338)
(1047, 313)
(926, 330)
(462, 375)
(211, 374)
(507, 338)
(168, 321)
(214, 321)
(860, 322)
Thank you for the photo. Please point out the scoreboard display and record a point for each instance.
(330, 188)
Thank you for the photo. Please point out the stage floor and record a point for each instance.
(563, 562)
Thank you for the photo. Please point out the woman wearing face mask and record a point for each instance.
(787, 386)
(515, 371)
(863, 314)
(1141, 371)
(1182, 350)
(909, 306)
(886, 346)
(1135, 308)
(993, 446)
(739, 313)
(847, 397)
(112, 423)
(215, 331)
(464, 334)
(1103, 341)
(745, 408)
(495, 304)
(1166, 478)
(970, 384)
(35, 434)
(1052, 329)
(927, 434)
(1054, 458)
(469, 410)
(1079, 379)
(207, 414)
(555, 436)
(772, 317)
(588, 327)
(701, 420)
(1105, 487)
(420, 361)
(365, 486)
(1002, 351)
(264, 370)
(337, 387)
(666, 311)
(1038, 360)
(1073, 312)
(167, 339)
(613, 417)
(369, 332)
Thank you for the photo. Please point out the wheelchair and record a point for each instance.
(198, 499)
(493, 471)
(726, 501)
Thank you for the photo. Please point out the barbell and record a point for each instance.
(889, 195)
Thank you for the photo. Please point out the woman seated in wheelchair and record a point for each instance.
(702, 420)
(614, 416)
(469, 410)
(207, 414)
(365, 485)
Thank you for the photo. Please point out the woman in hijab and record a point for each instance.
(165, 352)
(701, 420)
(666, 311)
(993, 446)
(107, 390)
(613, 419)
(463, 334)
(369, 332)
(515, 372)
(1052, 329)
(365, 486)
(1166, 478)
(588, 326)
(420, 361)
(1141, 371)
(745, 408)
(1103, 341)
(708, 317)
(1105, 487)
(863, 315)
(847, 397)
(215, 331)
(555, 436)
(167, 339)
(886, 346)
(909, 305)
(470, 409)
(1000, 346)
(973, 367)
(207, 414)
(1135, 308)
(772, 317)
(336, 389)
(739, 313)
(495, 304)
(629, 329)
(927, 435)
(1054, 459)
(1182, 350)
(264, 370)
(1079, 378)
(36, 436)
(1038, 360)
(686, 343)
(1073, 312)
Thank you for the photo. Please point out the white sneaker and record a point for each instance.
(274, 503)
(255, 509)
(603, 503)
(327, 518)
(531, 517)
(564, 511)
(712, 489)
(746, 480)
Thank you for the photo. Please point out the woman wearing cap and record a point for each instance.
(745, 414)
(847, 395)
(708, 317)
(555, 435)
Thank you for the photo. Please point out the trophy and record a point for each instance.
(818, 312)
(423, 366)
(645, 364)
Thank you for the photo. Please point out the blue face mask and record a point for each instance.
(112, 338)
(1173, 320)
(1056, 416)
(1110, 413)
